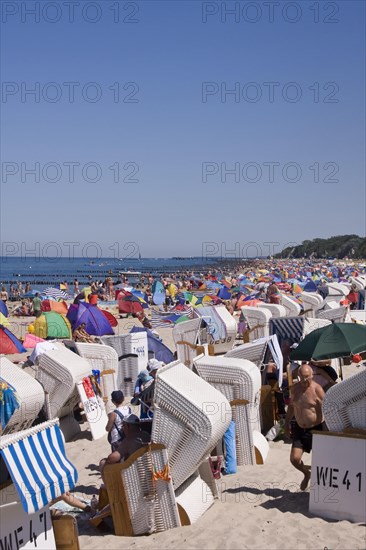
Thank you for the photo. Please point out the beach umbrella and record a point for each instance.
(55, 293)
(52, 325)
(9, 343)
(158, 293)
(96, 322)
(142, 298)
(332, 341)
(128, 303)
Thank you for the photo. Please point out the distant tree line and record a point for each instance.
(341, 246)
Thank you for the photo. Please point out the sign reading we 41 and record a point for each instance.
(338, 473)
(332, 477)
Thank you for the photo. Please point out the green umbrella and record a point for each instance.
(336, 340)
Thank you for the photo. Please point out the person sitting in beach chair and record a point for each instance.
(24, 310)
(273, 294)
(143, 382)
(134, 439)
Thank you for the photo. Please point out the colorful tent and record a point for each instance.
(4, 320)
(224, 293)
(3, 308)
(52, 325)
(310, 286)
(9, 343)
(110, 318)
(96, 322)
(52, 305)
(30, 341)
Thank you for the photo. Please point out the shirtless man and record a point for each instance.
(306, 405)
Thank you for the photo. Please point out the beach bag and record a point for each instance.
(120, 431)
(230, 449)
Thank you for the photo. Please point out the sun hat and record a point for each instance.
(144, 376)
(154, 364)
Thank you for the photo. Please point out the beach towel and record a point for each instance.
(8, 402)
(230, 449)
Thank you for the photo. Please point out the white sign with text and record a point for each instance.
(20, 530)
(338, 477)
(94, 410)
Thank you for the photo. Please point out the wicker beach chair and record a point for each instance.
(58, 371)
(186, 337)
(336, 315)
(359, 282)
(36, 461)
(311, 303)
(258, 320)
(356, 316)
(344, 404)
(225, 327)
(29, 394)
(105, 359)
(254, 352)
(141, 494)
(240, 381)
(132, 352)
(194, 497)
(311, 324)
(293, 309)
(276, 309)
(190, 417)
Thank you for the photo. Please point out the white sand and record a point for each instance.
(259, 507)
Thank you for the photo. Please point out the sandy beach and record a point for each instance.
(260, 507)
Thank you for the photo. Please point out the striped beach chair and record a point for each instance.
(38, 466)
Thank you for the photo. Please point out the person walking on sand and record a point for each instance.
(306, 406)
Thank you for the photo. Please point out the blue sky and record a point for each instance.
(171, 132)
